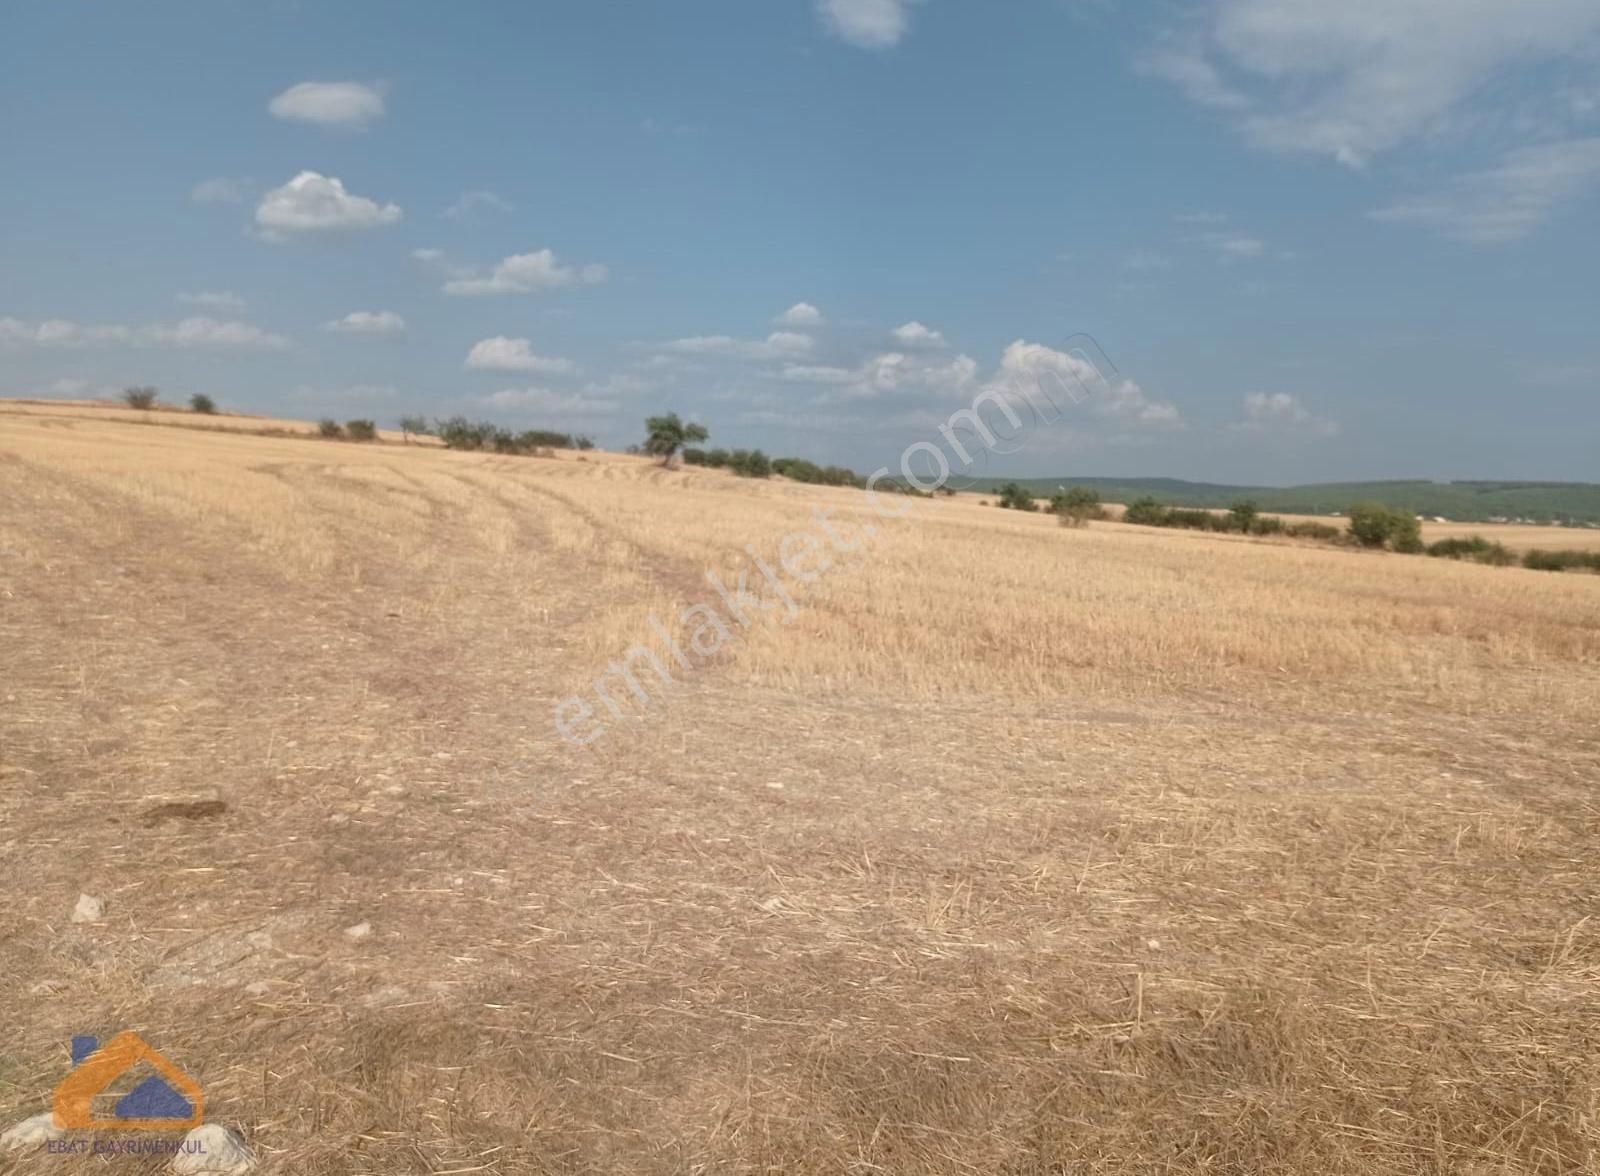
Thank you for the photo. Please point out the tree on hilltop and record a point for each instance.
(665, 435)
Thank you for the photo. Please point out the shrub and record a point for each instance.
(1244, 515)
(361, 430)
(694, 457)
(202, 404)
(144, 398)
(750, 463)
(1014, 497)
(1322, 531)
(1374, 525)
(328, 427)
(583, 442)
(1145, 512)
(1476, 548)
(1075, 507)
(1406, 535)
(717, 459)
(1561, 561)
(413, 426)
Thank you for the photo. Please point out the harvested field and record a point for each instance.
(1018, 849)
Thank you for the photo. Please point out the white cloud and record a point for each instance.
(221, 190)
(867, 24)
(500, 354)
(1234, 245)
(801, 314)
(1282, 412)
(368, 322)
(197, 332)
(522, 273)
(330, 104)
(1031, 373)
(1145, 261)
(1508, 201)
(914, 334)
(1352, 80)
(889, 373)
(470, 202)
(563, 405)
(819, 374)
(778, 345)
(312, 203)
(216, 300)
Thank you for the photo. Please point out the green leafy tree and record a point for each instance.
(413, 426)
(1146, 512)
(1244, 515)
(1014, 497)
(361, 430)
(665, 435)
(1075, 507)
(1375, 525)
(202, 404)
(138, 397)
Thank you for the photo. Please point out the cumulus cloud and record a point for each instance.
(501, 354)
(314, 204)
(521, 273)
(368, 322)
(888, 373)
(330, 104)
(477, 201)
(801, 314)
(867, 24)
(1282, 412)
(197, 332)
(914, 334)
(215, 300)
(1350, 81)
(1032, 373)
(221, 190)
(1508, 201)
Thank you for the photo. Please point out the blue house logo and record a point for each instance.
(166, 1100)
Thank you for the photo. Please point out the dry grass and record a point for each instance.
(1021, 850)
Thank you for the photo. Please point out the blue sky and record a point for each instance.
(1317, 241)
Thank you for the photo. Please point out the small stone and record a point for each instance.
(396, 790)
(260, 940)
(89, 909)
(213, 1150)
(1153, 944)
(30, 1133)
(258, 988)
(359, 931)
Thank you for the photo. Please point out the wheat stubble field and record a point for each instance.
(1020, 850)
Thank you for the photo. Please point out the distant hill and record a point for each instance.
(1468, 502)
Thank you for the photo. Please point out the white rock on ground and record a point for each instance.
(30, 1133)
(89, 909)
(213, 1150)
(359, 931)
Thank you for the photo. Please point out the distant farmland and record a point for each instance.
(1545, 502)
